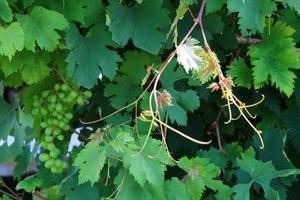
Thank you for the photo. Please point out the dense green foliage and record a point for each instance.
(66, 63)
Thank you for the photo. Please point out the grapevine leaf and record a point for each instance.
(274, 57)
(293, 4)
(11, 39)
(176, 190)
(32, 67)
(291, 119)
(90, 161)
(131, 189)
(274, 149)
(7, 118)
(137, 23)
(23, 162)
(292, 19)
(201, 174)
(5, 11)
(127, 86)
(29, 184)
(40, 26)
(88, 53)
(4, 197)
(255, 171)
(183, 101)
(73, 191)
(143, 167)
(94, 13)
(122, 140)
(239, 71)
(215, 156)
(214, 5)
(71, 9)
(252, 14)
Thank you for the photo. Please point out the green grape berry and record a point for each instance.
(45, 93)
(52, 99)
(44, 111)
(80, 100)
(87, 94)
(36, 104)
(60, 137)
(61, 124)
(64, 87)
(43, 124)
(53, 154)
(56, 132)
(59, 107)
(35, 112)
(44, 157)
(48, 138)
(55, 122)
(57, 87)
(54, 170)
(61, 95)
(49, 163)
(48, 131)
(44, 144)
(51, 146)
(73, 94)
(69, 116)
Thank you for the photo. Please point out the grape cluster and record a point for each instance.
(54, 111)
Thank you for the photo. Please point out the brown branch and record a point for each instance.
(246, 41)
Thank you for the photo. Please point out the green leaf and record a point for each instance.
(88, 53)
(23, 162)
(176, 190)
(137, 23)
(293, 4)
(255, 171)
(292, 19)
(183, 101)
(200, 174)
(274, 150)
(40, 27)
(291, 119)
(29, 184)
(128, 85)
(25, 119)
(7, 118)
(252, 14)
(74, 191)
(214, 5)
(4, 197)
(145, 168)
(11, 39)
(131, 189)
(274, 57)
(122, 141)
(239, 71)
(5, 11)
(215, 156)
(90, 161)
(32, 67)
(73, 10)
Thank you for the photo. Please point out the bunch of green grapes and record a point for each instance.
(54, 111)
